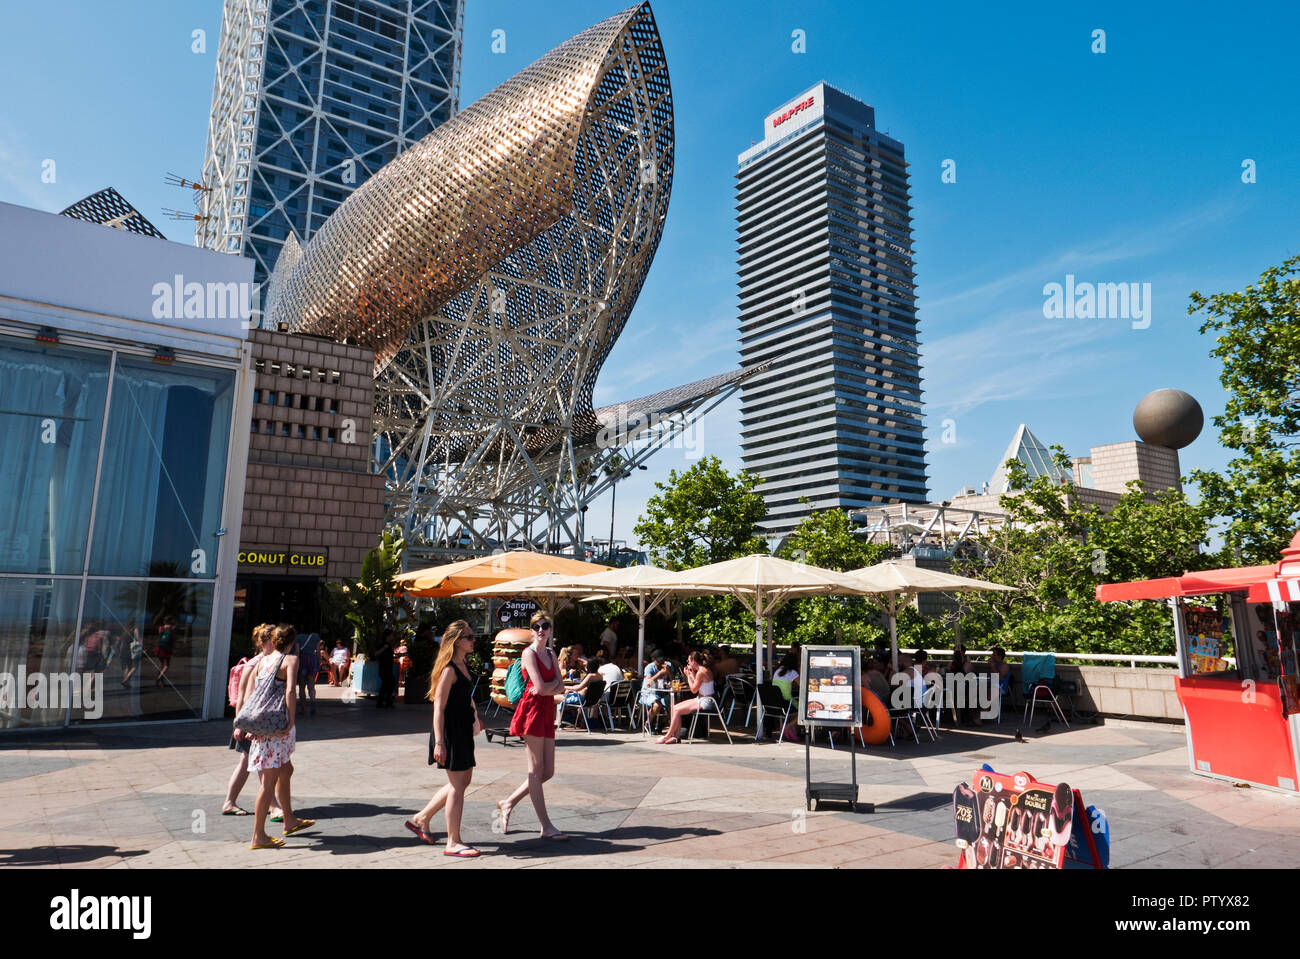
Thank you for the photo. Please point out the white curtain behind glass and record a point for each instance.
(46, 487)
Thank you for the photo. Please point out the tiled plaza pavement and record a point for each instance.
(151, 796)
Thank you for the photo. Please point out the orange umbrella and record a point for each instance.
(483, 571)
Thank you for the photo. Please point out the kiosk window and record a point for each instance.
(1209, 641)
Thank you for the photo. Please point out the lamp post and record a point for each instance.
(613, 491)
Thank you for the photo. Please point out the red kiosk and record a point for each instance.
(1238, 633)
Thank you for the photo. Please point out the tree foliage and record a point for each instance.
(371, 603)
(1259, 345)
(704, 515)
(1056, 549)
(701, 516)
(826, 539)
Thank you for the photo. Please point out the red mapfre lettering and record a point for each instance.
(792, 111)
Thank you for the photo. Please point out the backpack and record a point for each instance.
(236, 676)
(515, 681)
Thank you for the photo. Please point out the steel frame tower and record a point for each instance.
(311, 98)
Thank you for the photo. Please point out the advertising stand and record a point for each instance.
(831, 679)
(1237, 633)
(1016, 822)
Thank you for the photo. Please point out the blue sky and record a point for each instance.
(1118, 167)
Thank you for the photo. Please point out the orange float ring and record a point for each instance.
(878, 731)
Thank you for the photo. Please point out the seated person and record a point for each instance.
(565, 662)
(922, 675)
(575, 693)
(788, 670)
(874, 677)
(340, 660)
(654, 699)
(579, 657)
(1000, 668)
(610, 672)
(961, 665)
(700, 678)
(722, 663)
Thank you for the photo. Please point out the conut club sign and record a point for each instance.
(315, 561)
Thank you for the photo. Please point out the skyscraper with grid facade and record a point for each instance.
(311, 98)
(827, 298)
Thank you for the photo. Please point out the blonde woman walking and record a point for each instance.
(455, 724)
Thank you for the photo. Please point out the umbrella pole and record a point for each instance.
(893, 629)
(640, 635)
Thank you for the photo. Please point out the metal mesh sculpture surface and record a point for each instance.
(491, 267)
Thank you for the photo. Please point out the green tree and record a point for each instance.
(706, 515)
(826, 539)
(1056, 549)
(1259, 345)
(372, 602)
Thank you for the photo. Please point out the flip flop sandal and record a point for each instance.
(305, 824)
(467, 853)
(424, 836)
(279, 818)
(235, 812)
(558, 837)
(271, 843)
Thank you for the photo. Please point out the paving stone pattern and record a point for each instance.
(151, 796)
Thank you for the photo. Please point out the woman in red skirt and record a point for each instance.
(534, 721)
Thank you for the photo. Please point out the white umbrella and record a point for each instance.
(547, 586)
(762, 583)
(638, 587)
(894, 584)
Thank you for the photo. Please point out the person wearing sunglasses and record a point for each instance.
(534, 722)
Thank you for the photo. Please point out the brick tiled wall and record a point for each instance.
(309, 487)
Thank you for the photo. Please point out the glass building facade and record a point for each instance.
(827, 301)
(311, 98)
(112, 480)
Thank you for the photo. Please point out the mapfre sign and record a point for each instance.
(788, 114)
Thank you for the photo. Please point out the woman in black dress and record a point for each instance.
(455, 724)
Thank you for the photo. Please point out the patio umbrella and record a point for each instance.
(547, 586)
(893, 584)
(638, 587)
(455, 578)
(761, 583)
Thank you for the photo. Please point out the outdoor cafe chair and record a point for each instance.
(706, 713)
(1042, 692)
(741, 690)
(593, 697)
(908, 713)
(1038, 675)
(620, 699)
(770, 702)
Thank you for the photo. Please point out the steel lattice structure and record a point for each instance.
(310, 99)
(491, 267)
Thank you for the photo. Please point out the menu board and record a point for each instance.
(1207, 645)
(1013, 821)
(830, 677)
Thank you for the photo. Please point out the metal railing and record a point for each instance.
(1133, 659)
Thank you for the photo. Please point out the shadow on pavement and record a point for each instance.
(62, 855)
